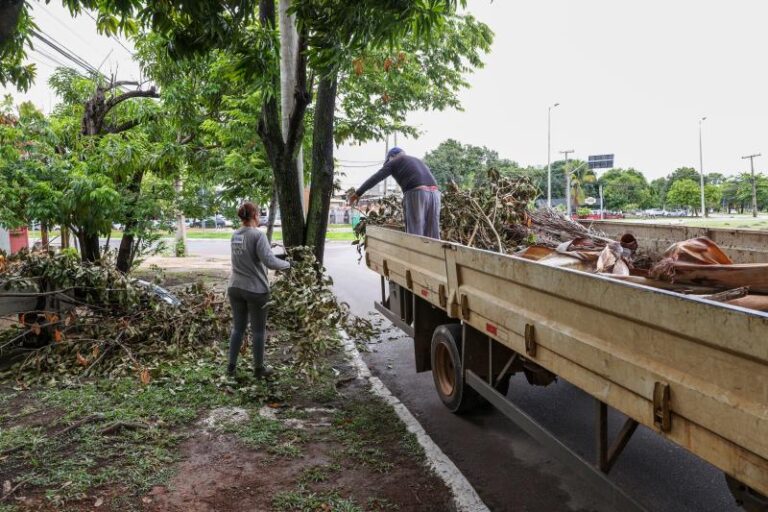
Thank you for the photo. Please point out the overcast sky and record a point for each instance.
(632, 78)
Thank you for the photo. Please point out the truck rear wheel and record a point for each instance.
(447, 372)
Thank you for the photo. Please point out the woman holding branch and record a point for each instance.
(248, 288)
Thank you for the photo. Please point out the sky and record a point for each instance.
(632, 79)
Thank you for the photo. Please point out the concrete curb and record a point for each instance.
(465, 498)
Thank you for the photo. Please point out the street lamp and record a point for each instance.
(754, 185)
(567, 183)
(549, 158)
(701, 170)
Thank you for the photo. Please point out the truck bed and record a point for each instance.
(693, 370)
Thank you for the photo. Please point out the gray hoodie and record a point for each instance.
(250, 253)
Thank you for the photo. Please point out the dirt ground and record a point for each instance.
(218, 473)
(349, 453)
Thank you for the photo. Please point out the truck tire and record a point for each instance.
(447, 373)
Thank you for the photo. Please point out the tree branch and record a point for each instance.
(302, 95)
(149, 93)
(123, 127)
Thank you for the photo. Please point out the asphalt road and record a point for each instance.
(509, 469)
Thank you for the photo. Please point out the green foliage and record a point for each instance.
(13, 70)
(465, 164)
(379, 86)
(683, 173)
(684, 192)
(120, 328)
(625, 186)
(302, 297)
(180, 248)
(713, 194)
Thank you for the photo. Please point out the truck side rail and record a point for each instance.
(694, 371)
(743, 246)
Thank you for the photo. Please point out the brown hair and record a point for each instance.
(248, 211)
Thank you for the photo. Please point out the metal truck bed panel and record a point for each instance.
(617, 341)
(743, 246)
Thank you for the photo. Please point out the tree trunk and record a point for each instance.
(322, 166)
(125, 252)
(10, 10)
(123, 262)
(271, 215)
(289, 62)
(44, 239)
(180, 250)
(283, 152)
(89, 247)
(64, 236)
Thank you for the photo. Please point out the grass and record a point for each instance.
(732, 222)
(366, 427)
(303, 500)
(336, 232)
(67, 464)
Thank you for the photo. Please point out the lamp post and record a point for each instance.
(754, 185)
(701, 170)
(549, 158)
(567, 183)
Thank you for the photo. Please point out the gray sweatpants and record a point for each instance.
(422, 212)
(245, 304)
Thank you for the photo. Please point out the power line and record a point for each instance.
(52, 59)
(57, 20)
(61, 49)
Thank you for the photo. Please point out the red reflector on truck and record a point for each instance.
(424, 293)
(491, 328)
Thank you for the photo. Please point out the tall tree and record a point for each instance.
(625, 188)
(464, 164)
(685, 193)
(438, 48)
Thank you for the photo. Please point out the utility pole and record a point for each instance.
(549, 162)
(602, 210)
(567, 183)
(701, 170)
(754, 183)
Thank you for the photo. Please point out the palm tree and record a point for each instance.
(580, 175)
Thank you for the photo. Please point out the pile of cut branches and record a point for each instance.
(104, 323)
(496, 217)
(488, 217)
(94, 320)
(305, 305)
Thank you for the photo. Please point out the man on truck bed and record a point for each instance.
(421, 197)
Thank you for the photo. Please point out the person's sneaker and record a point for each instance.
(263, 372)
